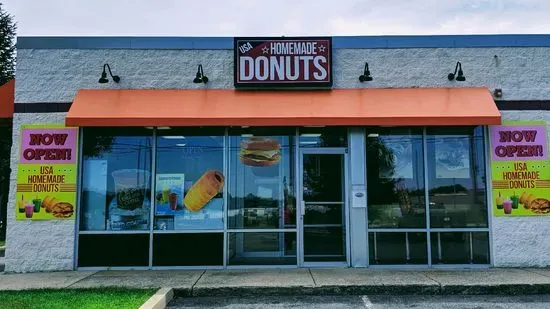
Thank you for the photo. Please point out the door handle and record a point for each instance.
(302, 208)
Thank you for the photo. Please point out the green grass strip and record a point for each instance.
(97, 298)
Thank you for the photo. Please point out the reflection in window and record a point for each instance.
(324, 230)
(266, 248)
(261, 180)
(460, 248)
(261, 169)
(189, 179)
(323, 178)
(398, 248)
(395, 178)
(456, 166)
(116, 179)
(323, 137)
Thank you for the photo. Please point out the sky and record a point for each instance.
(277, 17)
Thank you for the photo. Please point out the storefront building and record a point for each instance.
(279, 152)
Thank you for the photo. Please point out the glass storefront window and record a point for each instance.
(189, 179)
(323, 137)
(395, 178)
(460, 247)
(264, 248)
(253, 169)
(116, 179)
(456, 169)
(261, 182)
(398, 248)
(456, 189)
(189, 249)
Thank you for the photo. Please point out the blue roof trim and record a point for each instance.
(420, 41)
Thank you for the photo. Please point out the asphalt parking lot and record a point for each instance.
(367, 301)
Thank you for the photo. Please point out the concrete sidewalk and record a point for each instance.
(510, 281)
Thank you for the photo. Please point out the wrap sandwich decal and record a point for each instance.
(203, 190)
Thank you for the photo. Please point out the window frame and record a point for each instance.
(430, 231)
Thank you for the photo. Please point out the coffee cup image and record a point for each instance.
(203, 190)
(130, 188)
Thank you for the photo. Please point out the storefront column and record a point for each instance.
(358, 211)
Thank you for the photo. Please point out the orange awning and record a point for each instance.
(7, 98)
(341, 107)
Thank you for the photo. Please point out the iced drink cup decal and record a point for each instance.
(131, 187)
(37, 203)
(507, 207)
(173, 200)
(21, 204)
(165, 195)
(499, 201)
(29, 209)
(515, 201)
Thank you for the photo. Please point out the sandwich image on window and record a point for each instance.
(260, 152)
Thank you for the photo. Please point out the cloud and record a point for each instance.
(282, 17)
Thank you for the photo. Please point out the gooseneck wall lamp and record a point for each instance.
(103, 79)
(460, 76)
(200, 77)
(365, 77)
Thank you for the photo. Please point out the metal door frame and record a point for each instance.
(299, 199)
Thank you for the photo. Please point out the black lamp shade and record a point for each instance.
(458, 73)
(204, 79)
(198, 79)
(365, 77)
(103, 79)
(460, 77)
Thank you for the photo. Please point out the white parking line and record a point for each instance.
(366, 302)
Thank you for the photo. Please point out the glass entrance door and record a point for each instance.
(323, 211)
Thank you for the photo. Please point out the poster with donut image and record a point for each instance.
(520, 169)
(47, 173)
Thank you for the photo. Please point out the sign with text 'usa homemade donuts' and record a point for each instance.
(304, 62)
(47, 173)
(520, 169)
